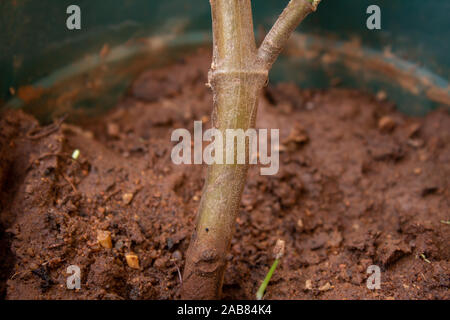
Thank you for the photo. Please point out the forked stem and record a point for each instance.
(238, 73)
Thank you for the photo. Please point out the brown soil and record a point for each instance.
(359, 184)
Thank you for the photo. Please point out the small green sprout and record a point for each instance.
(445, 222)
(75, 154)
(278, 252)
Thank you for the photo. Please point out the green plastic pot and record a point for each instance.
(49, 70)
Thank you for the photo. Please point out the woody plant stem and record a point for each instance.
(239, 71)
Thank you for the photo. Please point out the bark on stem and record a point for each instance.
(238, 73)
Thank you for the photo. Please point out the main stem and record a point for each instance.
(238, 73)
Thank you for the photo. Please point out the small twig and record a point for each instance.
(70, 182)
(47, 130)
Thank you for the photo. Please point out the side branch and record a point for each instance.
(275, 41)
